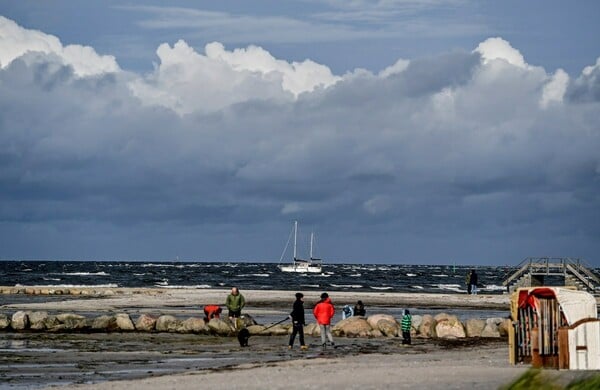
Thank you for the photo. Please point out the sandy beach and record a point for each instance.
(177, 361)
(482, 366)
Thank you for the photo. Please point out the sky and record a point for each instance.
(399, 131)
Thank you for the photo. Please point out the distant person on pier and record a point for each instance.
(406, 325)
(468, 282)
(359, 309)
(235, 303)
(324, 312)
(298, 322)
(473, 282)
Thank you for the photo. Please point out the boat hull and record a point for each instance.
(300, 268)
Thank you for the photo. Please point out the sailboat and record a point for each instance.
(312, 264)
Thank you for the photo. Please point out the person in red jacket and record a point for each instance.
(324, 312)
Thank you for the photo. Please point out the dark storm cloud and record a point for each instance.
(452, 148)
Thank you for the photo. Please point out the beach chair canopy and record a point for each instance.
(575, 305)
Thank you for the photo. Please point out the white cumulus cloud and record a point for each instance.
(187, 81)
(498, 48)
(15, 41)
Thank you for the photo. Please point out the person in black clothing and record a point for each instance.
(297, 317)
(359, 309)
(473, 282)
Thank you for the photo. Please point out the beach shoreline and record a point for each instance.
(98, 298)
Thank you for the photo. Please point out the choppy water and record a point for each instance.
(260, 276)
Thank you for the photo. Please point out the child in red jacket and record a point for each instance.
(324, 312)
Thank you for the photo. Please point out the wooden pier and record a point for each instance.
(544, 271)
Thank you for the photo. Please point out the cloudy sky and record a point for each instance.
(400, 131)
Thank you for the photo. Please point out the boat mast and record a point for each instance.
(311, 244)
(295, 234)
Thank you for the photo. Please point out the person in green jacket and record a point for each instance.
(235, 303)
(406, 325)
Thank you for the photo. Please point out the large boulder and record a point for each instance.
(312, 329)
(504, 327)
(37, 320)
(427, 327)
(72, 321)
(105, 323)
(193, 325)
(219, 327)
(450, 328)
(444, 316)
(491, 327)
(124, 322)
(20, 320)
(145, 323)
(4, 321)
(167, 323)
(257, 330)
(355, 326)
(375, 318)
(388, 328)
(474, 327)
(416, 321)
(279, 330)
(246, 320)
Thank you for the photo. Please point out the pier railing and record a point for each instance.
(557, 266)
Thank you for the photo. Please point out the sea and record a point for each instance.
(256, 276)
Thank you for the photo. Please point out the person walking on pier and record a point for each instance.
(468, 282)
(473, 282)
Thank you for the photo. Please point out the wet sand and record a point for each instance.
(354, 364)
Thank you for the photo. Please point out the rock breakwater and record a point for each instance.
(442, 325)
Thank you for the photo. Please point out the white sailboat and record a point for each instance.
(312, 265)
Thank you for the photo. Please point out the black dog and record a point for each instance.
(243, 336)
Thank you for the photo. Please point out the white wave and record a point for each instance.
(355, 275)
(257, 275)
(440, 275)
(26, 270)
(140, 274)
(411, 275)
(311, 285)
(186, 287)
(418, 287)
(449, 287)
(101, 273)
(381, 288)
(111, 285)
(346, 285)
(493, 287)
(53, 279)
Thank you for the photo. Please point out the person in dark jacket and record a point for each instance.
(359, 309)
(473, 281)
(298, 322)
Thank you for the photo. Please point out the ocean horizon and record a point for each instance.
(250, 275)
